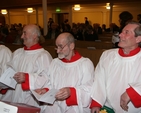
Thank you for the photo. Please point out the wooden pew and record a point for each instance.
(84, 44)
(12, 47)
(93, 55)
(97, 45)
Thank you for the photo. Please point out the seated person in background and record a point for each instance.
(113, 28)
(97, 28)
(117, 82)
(115, 40)
(18, 39)
(5, 36)
(104, 28)
(72, 75)
(124, 18)
(90, 34)
(77, 35)
(66, 28)
(139, 18)
(31, 64)
(53, 32)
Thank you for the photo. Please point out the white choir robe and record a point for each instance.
(79, 75)
(113, 75)
(34, 62)
(5, 56)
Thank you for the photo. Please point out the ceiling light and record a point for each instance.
(77, 7)
(107, 5)
(29, 10)
(4, 11)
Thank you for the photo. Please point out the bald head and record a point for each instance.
(31, 34)
(65, 46)
(34, 29)
(67, 37)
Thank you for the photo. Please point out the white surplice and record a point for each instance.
(79, 75)
(34, 62)
(5, 56)
(113, 75)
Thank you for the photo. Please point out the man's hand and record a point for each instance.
(19, 77)
(95, 110)
(40, 91)
(124, 100)
(63, 94)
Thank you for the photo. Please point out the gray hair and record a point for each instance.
(137, 30)
(70, 38)
(36, 30)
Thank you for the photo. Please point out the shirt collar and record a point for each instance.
(34, 47)
(132, 53)
(73, 58)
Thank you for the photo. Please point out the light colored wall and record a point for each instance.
(32, 19)
(95, 15)
(16, 19)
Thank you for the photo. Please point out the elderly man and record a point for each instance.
(117, 84)
(5, 54)
(72, 75)
(31, 64)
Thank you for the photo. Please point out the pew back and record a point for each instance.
(92, 54)
(84, 44)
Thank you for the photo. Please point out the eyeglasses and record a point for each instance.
(60, 47)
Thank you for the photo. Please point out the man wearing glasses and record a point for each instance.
(72, 75)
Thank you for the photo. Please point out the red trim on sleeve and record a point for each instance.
(95, 104)
(46, 89)
(134, 97)
(72, 100)
(3, 91)
(25, 85)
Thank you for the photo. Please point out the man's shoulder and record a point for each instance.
(111, 51)
(18, 50)
(3, 47)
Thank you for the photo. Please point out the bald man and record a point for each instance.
(72, 75)
(31, 64)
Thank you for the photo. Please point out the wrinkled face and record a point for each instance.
(28, 36)
(127, 37)
(63, 48)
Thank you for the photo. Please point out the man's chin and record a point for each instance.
(61, 56)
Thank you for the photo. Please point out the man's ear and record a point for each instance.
(72, 45)
(138, 39)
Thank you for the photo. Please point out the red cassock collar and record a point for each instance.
(73, 58)
(34, 47)
(132, 53)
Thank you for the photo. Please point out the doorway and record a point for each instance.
(60, 17)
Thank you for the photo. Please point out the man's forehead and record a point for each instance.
(27, 29)
(61, 38)
(130, 27)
